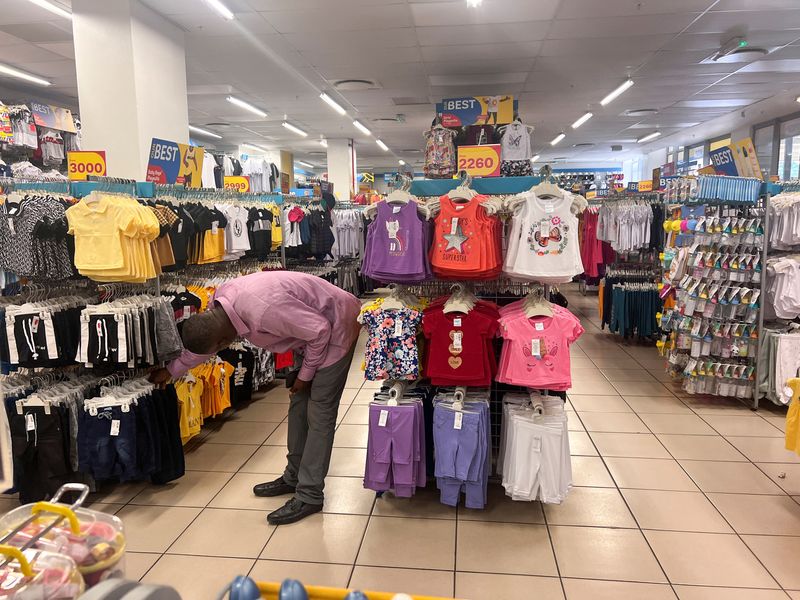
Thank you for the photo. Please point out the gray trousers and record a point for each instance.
(312, 423)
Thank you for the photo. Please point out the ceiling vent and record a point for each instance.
(583, 145)
(219, 124)
(395, 119)
(411, 101)
(355, 85)
(640, 112)
(616, 148)
(735, 50)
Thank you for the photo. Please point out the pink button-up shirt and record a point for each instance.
(280, 311)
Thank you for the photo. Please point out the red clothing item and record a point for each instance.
(474, 363)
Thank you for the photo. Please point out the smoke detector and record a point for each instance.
(735, 50)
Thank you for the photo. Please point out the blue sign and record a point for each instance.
(723, 161)
(302, 192)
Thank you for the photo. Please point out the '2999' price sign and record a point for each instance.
(82, 163)
(237, 183)
(480, 161)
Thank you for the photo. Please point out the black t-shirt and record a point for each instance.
(243, 363)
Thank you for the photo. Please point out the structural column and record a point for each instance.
(342, 168)
(131, 68)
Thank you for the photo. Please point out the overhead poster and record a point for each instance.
(53, 117)
(476, 110)
(171, 162)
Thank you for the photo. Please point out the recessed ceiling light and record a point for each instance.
(382, 146)
(582, 120)
(12, 72)
(205, 132)
(362, 128)
(649, 137)
(247, 106)
(558, 138)
(401, 162)
(254, 147)
(294, 129)
(223, 10)
(534, 158)
(305, 164)
(323, 143)
(53, 8)
(610, 98)
(332, 103)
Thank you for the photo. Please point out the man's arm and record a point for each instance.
(187, 360)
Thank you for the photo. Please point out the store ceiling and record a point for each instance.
(559, 57)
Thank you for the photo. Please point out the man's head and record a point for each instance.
(208, 332)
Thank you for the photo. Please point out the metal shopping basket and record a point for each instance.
(244, 588)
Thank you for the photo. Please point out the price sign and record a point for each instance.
(480, 161)
(645, 186)
(81, 164)
(237, 183)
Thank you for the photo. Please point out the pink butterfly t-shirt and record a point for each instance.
(536, 350)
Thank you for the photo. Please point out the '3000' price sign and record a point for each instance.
(81, 164)
(480, 161)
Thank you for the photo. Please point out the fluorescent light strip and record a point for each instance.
(56, 10)
(305, 164)
(221, 9)
(246, 106)
(205, 132)
(534, 158)
(558, 138)
(294, 129)
(582, 120)
(12, 72)
(647, 138)
(323, 143)
(254, 147)
(401, 162)
(362, 128)
(382, 146)
(608, 99)
(332, 103)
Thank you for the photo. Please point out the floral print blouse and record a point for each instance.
(392, 351)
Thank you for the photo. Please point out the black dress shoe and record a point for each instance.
(292, 511)
(273, 488)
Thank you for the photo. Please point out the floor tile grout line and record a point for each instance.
(724, 518)
(553, 550)
(633, 515)
(361, 543)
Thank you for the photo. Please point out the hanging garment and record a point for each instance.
(396, 243)
(440, 153)
(516, 143)
(392, 351)
(543, 242)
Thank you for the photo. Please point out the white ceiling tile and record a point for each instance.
(585, 9)
(480, 66)
(773, 66)
(41, 32)
(614, 46)
(339, 17)
(6, 39)
(396, 37)
(22, 11)
(601, 26)
(712, 41)
(485, 33)
(65, 49)
(754, 5)
(726, 103)
(494, 11)
(23, 54)
(757, 19)
(379, 56)
(481, 52)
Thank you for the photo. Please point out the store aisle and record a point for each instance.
(675, 497)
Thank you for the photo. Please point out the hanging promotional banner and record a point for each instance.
(286, 183)
(480, 161)
(476, 110)
(53, 117)
(82, 163)
(724, 161)
(6, 132)
(237, 183)
(171, 162)
(747, 159)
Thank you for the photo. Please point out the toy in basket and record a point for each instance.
(38, 574)
(94, 540)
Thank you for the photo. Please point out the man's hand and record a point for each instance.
(300, 385)
(160, 377)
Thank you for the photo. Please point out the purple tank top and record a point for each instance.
(396, 245)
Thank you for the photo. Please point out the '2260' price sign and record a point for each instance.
(480, 161)
(81, 164)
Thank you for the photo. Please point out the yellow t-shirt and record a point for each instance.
(793, 417)
(277, 230)
(190, 397)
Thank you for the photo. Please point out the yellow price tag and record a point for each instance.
(237, 183)
(82, 163)
(646, 186)
(480, 161)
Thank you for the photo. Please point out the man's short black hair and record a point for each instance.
(201, 333)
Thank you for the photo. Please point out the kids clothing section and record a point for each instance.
(396, 245)
(392, 351)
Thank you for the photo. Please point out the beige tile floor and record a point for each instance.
(676, 498)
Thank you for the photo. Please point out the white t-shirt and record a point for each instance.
(209, 181)
(543, 244)
(516, 142)
(52, 146)
(237, 241)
